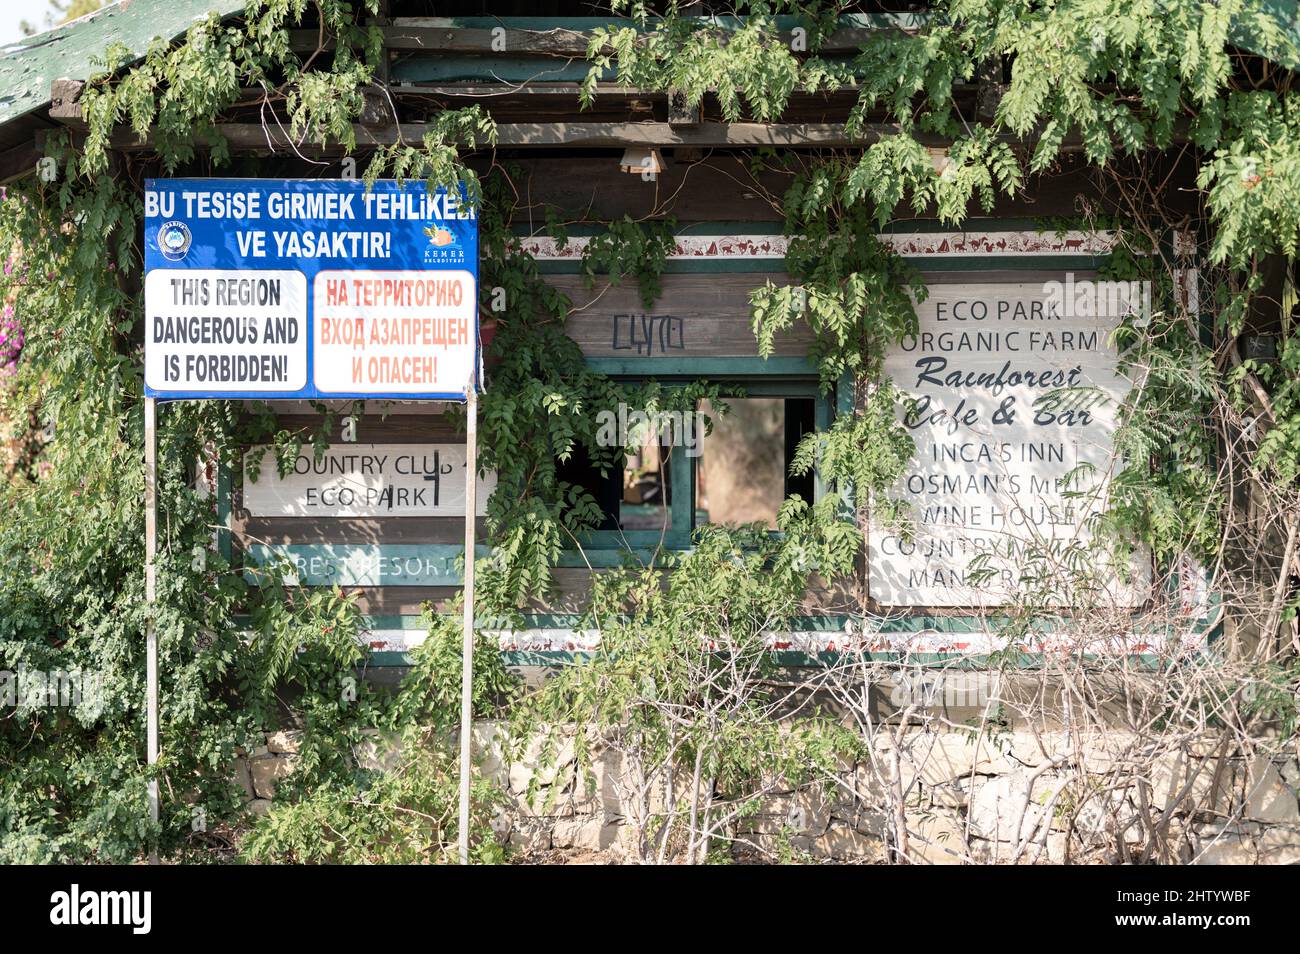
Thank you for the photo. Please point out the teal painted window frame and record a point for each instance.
(793, 378)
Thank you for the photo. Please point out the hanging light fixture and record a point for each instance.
(642, 161)
(940, 159)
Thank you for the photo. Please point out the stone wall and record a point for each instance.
(1008, 799)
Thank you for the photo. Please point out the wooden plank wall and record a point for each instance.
(401, 424)
(697, 316)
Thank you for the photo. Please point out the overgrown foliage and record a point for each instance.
(680, 709)
(683, 685)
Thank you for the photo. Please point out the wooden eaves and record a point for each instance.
(571, 37)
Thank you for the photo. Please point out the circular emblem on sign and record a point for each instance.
(174, 240)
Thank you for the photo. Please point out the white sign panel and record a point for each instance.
(225, 331)
(1016, 394)
(365, 480)
(394, 332)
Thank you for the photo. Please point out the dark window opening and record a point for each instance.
(637, 496)
(741, 471)
(647, 489)
(579, 470)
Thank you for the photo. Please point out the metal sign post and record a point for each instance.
(310, 289)
(150, 594)
(467, 639)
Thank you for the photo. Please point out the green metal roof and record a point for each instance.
(28, 67)
(69, 52)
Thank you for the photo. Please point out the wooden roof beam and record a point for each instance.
(19, 161)
(443, 35)
(255, 138)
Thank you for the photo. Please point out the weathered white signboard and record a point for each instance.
(225, 332)
(364, 480)
(386, 332)
(1016, 392)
